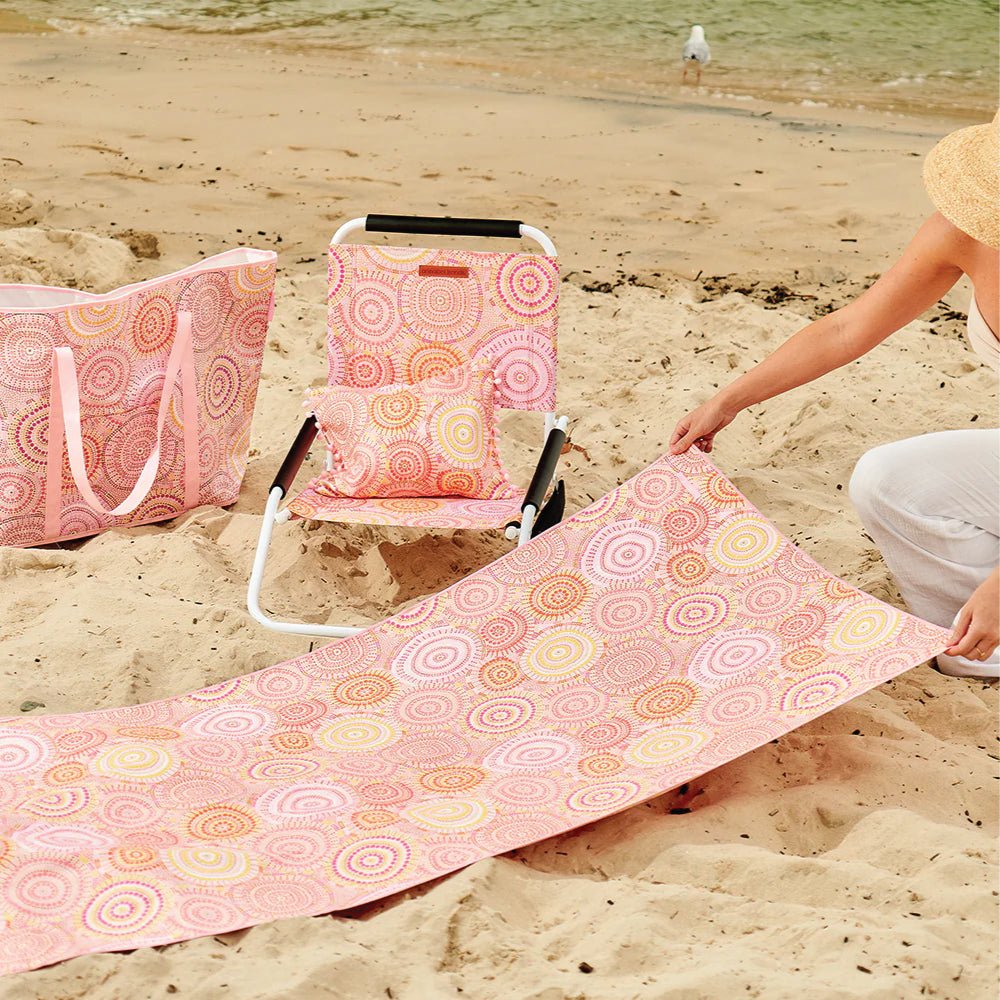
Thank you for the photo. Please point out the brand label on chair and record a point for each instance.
(442, 271)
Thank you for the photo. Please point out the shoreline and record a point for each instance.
(658, 199)
(646, 80)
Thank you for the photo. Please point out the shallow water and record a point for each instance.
(911, 55)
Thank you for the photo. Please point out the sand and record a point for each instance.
(855, 857)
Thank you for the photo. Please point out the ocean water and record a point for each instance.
(938, 56)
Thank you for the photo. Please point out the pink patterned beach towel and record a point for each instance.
(660, 633)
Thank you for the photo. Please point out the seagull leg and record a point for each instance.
(697, 81)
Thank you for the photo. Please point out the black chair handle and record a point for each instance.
(440, 226)
(296, 456)
(545, 469)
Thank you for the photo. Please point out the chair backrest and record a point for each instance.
(401, 314)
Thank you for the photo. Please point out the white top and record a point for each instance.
(981, 338)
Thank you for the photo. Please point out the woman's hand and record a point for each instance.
(701, 425)
(977, 630)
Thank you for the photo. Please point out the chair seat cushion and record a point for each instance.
(433, 438)
(318, 502)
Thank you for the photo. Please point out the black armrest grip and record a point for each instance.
(440, 226)
(296, 456)
(545, 469)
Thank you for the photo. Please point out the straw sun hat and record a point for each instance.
(960, 174)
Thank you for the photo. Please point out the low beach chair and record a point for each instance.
(403, 314)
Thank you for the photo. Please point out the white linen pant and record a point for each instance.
(932, 505)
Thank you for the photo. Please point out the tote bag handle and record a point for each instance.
(64, 425)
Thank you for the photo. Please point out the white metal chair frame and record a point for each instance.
(553, 440)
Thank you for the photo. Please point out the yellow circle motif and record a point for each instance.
(667, 746)
(357, 734)
(864, 627)
(745, 543)
(209, 864)
(450, 815)
(459, 432)
(561, 653)
(138, 762)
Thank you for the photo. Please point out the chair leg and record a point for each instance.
(257, 580)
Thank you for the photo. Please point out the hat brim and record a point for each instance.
(960, 175)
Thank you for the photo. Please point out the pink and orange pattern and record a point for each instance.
(120, 343)
(387, 322)
(434, 438)
(660, 633)
(318, 503)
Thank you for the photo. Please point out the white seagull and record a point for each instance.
(695, 51)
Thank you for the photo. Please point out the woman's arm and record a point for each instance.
(924, 272)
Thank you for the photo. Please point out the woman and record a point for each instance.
(931, 503)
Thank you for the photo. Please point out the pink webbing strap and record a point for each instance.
(64, 425)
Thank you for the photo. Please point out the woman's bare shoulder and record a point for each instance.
(943, 239)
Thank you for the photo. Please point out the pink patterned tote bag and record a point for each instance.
(129, 407)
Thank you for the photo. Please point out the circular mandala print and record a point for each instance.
(608, 796)
(768, 598)
(153, 324)
(560, 654)
(395, 411)
(431, 360)
(274, 896)
(558, 595)
(339, 273)
(524, 366)
(524, 790)
(371, 312)
(306, 800)
(527, 287)
(736, 653)
(18, 492)
(667, 747)
(669, 700)
(369, 371)
(357, 734)
(26, 345)
(630, 666)
(369, 688)
(222, 387)
(740, 704)
(20, 752)
(479, 596)
(502, 714)
(124, 908)
(623, 552)
(441, 309)
(372, 860)
(816, 692)
(451, 815)
(436, 655)
(696, 614)
(656, 488)
(865, 626)
(623, 610)
(44, 887)
(428, 707)
(458, 432)
(452, 779)
(207, 914)
(538, 751)
(745, 542)
(87, 324)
